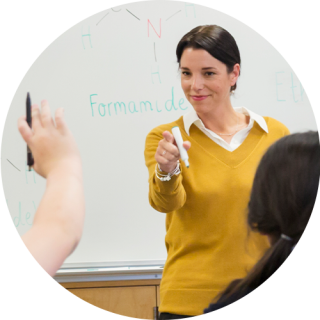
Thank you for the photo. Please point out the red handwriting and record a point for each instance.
(149, 23)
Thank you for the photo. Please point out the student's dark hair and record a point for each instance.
(282, 198)
(216, 41)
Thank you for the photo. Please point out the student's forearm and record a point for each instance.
(49, 245)
(58, 222)
(63, 201)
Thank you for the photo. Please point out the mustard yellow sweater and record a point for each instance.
(208, 241)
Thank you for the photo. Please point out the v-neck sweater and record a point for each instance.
(208, 241)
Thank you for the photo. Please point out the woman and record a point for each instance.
(282, 198)
(206, 240)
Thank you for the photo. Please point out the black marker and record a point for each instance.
(29, 121)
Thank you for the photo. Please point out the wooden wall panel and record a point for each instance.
(136, 302)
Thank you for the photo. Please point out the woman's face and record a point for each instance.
(205, 80)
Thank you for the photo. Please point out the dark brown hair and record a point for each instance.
(282, 198)
(216, 41)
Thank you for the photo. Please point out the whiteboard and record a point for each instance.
(126, 57)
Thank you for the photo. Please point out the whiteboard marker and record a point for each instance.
(183, 152)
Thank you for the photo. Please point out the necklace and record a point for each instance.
(230, 134)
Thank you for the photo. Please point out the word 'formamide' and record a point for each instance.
(113, 108)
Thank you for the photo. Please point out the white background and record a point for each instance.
(118, 232)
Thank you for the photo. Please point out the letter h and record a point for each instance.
(152, 73)
(86, 35)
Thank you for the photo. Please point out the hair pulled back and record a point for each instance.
(216, 41)
(281, 202)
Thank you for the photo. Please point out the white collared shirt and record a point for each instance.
(192, 118)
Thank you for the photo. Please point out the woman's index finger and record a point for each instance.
(168, 136)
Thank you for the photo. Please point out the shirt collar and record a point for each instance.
(191, 117)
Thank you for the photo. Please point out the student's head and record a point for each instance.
(216, 41)
(285, 188)
(282, 198)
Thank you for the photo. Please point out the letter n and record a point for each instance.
(190, 5)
